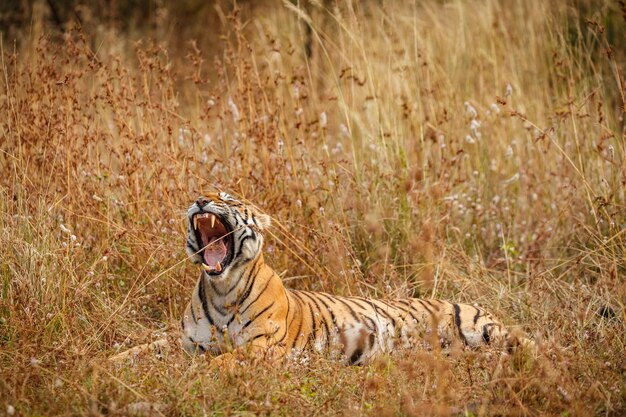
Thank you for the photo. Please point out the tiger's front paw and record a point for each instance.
(158, 348)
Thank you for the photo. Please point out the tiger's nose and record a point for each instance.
(201, 202)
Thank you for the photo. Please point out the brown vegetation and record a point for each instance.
(470, 150)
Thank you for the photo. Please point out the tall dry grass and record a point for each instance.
(466, 150)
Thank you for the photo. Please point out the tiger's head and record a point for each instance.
(223, 233)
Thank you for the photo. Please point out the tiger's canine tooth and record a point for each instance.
(212, 221)
(218, 267)
(195, 222)
(206, 267)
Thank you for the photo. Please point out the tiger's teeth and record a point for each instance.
(195, 222)
(209, 268)
(212, 222)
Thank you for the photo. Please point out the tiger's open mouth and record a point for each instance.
(214, 237)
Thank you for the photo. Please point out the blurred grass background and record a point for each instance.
(470, 150)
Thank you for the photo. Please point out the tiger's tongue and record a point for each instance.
(215, 252)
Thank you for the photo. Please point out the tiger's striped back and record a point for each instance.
(361, 327)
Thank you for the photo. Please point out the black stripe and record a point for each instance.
(392, 306)
(193, 314)
(314, 332)
(377, 308)
(396, 308)
(197, 344)
(249, 322)
(248, 273)
(486, 336)
(252, 279)
(410, 310)
(433, 304)
(370, 303)
(182, 323)
(257, 297)
(314, 325)
(356, 355)
(354, 300)
(234, 286)
(203, 300)
(245, 236)
(240, 250)
(328, 308)
(323, 318)
(301, 305)
(217, 308)
(350, 309)
(424, 305)
(476, 316)
(242, 236)
(292, 319)
(372, 324)
(332, 298)
(457, 319)
(286, 317)
(264, 334)
(237, 216)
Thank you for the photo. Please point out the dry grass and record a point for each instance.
(471, 150)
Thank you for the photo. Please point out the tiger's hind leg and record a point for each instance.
(478, 327)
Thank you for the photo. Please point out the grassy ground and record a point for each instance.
(470, 150)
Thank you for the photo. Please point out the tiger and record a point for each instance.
(239, 303)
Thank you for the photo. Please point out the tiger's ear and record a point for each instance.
(263, 220)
